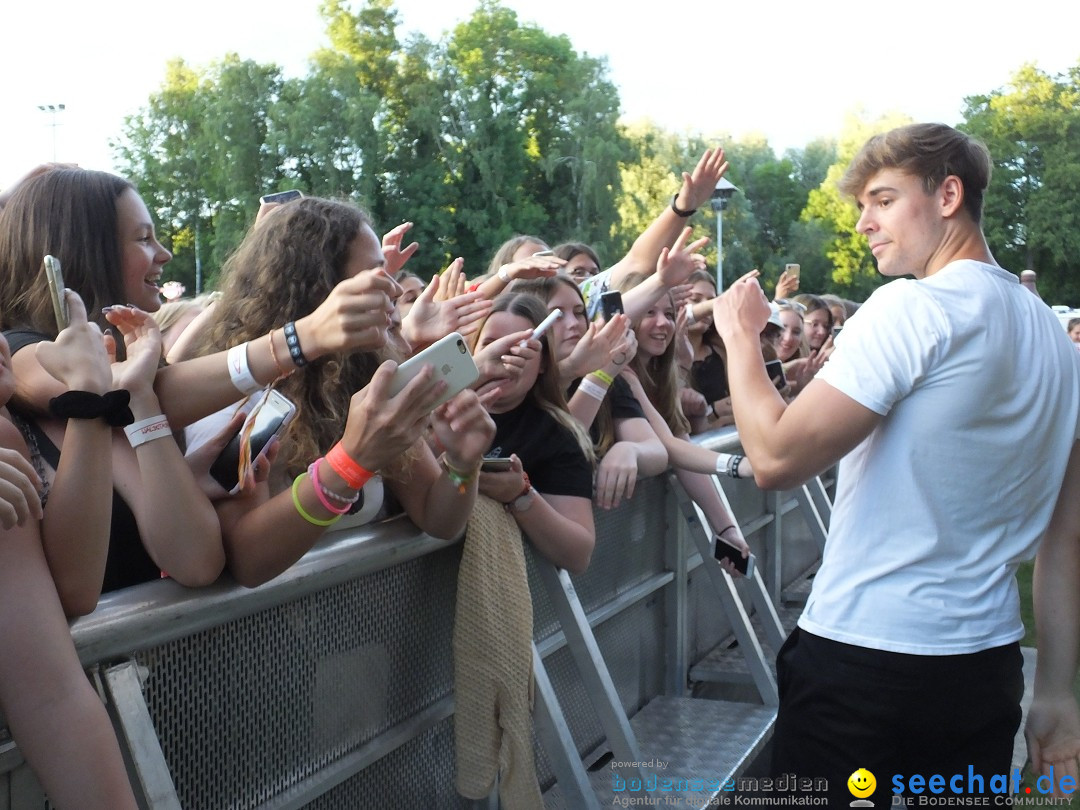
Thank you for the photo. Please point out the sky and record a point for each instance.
(790, 71)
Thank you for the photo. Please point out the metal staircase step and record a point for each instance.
(691, 747)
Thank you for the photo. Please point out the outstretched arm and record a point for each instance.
(697, 188)
(1053, 724)
(787, 444)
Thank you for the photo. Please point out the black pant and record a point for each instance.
(844, 707)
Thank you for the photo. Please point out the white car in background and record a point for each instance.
(1065, 314)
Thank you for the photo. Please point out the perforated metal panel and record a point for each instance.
(418, 775)
(253, 707)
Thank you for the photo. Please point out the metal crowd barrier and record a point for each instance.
(331, 686)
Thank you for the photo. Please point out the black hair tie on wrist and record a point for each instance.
(112, 406)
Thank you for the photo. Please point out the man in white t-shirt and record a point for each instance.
(952, 402)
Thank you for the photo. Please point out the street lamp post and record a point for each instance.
(53, 110)
(719, 199)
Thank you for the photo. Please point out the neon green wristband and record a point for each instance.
(603, 375)
(314, 521)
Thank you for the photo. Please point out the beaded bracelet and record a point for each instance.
(314, 521)
(603, 375)
(326, 495)
(344, 465)
(292, 340)
(461, 478)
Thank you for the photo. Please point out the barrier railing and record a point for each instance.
(331, 686)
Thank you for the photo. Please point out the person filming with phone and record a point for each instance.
(350, 422)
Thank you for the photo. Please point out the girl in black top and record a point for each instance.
(549, 488)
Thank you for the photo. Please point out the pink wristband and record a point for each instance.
(322, 494)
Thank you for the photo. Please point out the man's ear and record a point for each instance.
(951, 194)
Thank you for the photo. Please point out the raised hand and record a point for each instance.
(395, 255)
(533, 267)
(463, 427)
(78, 357)
(698, 185)
(354, 316)
(380, 427)
(452, 281)
(677, 262)
(431, 318)
(597, 349)
(786, 285)
(142, 342)
(505, 358)
(742, 307)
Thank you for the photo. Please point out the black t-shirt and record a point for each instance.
(550, 454)
(709, 376)
(21, 338)
(127, 562)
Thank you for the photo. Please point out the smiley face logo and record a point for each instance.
(861, 783)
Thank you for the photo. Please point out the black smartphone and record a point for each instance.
(726, 551)
(271, 419)
(775, 370)
(281, 196)
(611, 304)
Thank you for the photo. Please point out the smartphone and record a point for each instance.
(774, 368)
(270, 420)
(56, 291)
(544, 253)
(496, 464)
(281, 196)
(836, 330)
(543, 326)
(452, 361)
(611, 304)
(726, 551)
(792, 270)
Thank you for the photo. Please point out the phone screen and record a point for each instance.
(611, 304)
(268, 422)
(726, 551)
(775, 369)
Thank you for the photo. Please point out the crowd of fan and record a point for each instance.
(112, 424)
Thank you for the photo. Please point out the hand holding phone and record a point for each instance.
(451, 360)
(266, 420)
(611, 304)
(726, 551)
(775, 370)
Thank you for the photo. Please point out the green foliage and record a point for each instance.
(854, 273)
(503, 128)
(1031, 211)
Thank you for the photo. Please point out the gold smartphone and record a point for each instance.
(792, 270)
(56, 291)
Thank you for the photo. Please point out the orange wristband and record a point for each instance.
(344, 465)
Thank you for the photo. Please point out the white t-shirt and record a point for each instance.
(980, 393)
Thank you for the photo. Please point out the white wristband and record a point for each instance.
(240, 372)
(504, 277)
(146, 430)
(591, 389)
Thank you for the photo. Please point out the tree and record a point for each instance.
(1031, 212)
(854, 272)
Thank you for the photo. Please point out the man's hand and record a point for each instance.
(1053, 738)
(742, 309)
